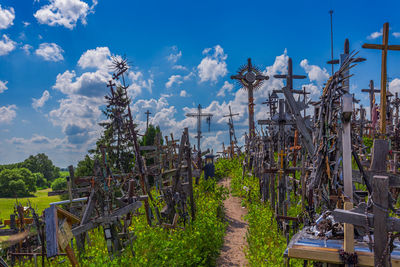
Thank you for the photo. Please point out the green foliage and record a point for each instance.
(59, 184)
(36, 164)
(223, 167)
(368, 142)
(85, 167)
(17, 182)
(150, 135)
(41, 182)
(195, 244)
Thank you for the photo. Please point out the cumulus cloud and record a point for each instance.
(314, 72)
(183, 93)
(227, 87)
(36, 139)
(138, 83)
(179, 67)
(394, 86)
(6, 17)
(6, 45)
(375, 35)
(38, 103)
(3, 86)
(173, 79)
(64, 13)
(90, 84)
(50, 52)
(26, 24)
(213, 66)
(7, 113)
(396, 34)
(99, 58)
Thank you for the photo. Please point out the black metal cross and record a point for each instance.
(251, 78)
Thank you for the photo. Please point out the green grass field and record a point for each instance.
(40, 201)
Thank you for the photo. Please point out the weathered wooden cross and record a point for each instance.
(371, 91)
(384, 47)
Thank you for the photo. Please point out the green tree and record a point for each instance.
(17, 182)
(41, 163)
(150, 136)
(85, 167)
(59, 184)
(41, 182)
(116, 136)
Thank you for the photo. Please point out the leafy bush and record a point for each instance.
(59, 184)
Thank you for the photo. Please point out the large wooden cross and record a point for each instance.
(251, 78)
(371, 91)
(384, 47)
(147, 119)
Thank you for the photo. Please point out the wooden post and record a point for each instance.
(380, 199)
(346, 146)
(348, 232)
(189, 171)
(380, 151)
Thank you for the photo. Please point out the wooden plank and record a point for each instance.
(379, 154)
(129, 208)
(372, 46)
(51, 231)
(26, 221)
(83, 228)
(71, 218)
(332, 255)
(380, 197)
(348, 232)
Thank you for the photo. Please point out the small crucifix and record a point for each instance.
(371, 91)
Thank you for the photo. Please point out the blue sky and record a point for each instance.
(54, 58)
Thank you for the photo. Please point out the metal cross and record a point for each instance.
(251, 78)
(232, 135)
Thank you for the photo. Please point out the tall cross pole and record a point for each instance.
(251, 78)
(384, 47)
(199, 115)
(232, 136)
(371, 91)
(147, 119)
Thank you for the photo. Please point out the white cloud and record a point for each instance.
(50, 52)
(173, 79)
(38, 103)
(6, 45)
(3, 86)
(189, 76)
(375, 35)
(226, 87)
(90, 84)
(36, 140)
(179, 67)
(26, 24)
(64, 13)
(27, 49)
(396, 34)
(99, 58)
(137, 83)
(394, 86)
(213, 66)
(315, 73)
(183, 93)
(175, 55)
(7, 113)
(6, 17)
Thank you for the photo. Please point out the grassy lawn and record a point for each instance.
(40, 201)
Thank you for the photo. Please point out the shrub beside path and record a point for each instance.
(232, 253)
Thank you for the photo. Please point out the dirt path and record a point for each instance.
(232, 253)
